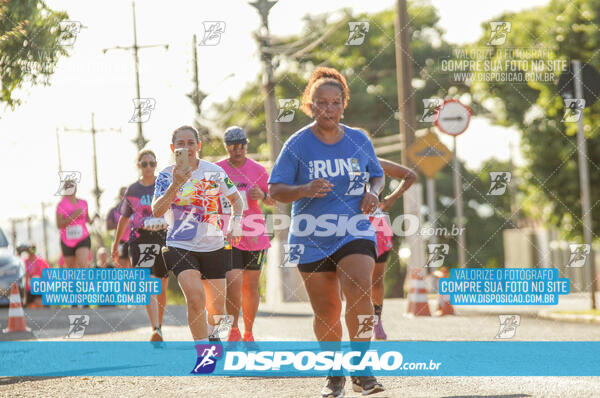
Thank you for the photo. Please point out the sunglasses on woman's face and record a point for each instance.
(150, 163)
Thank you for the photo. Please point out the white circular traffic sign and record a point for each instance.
(453, 117)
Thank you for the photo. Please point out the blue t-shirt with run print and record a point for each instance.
(320, 226)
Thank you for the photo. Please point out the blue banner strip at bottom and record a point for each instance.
(300, 358)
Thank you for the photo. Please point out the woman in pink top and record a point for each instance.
(71, 218)
(247, 256)
(34, 265)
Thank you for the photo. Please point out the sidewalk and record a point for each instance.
(566, 310)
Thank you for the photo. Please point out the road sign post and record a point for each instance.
(453, 119)
(430, 155)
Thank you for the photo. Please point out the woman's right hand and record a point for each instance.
(115, 252)
(318, 188)
(181, 176)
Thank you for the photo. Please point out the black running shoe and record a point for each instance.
(334, 387)
(366, 385)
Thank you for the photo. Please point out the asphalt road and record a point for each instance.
(294, 322)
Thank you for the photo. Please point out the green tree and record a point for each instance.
(565, 30)
(30, 37)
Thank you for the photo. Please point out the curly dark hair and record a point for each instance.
(319, 77)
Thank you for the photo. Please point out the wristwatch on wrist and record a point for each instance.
(265, 195)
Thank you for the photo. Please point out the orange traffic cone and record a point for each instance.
(16, 316)
(444, 306)
(417, 297)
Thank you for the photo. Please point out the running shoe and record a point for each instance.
(234, 334)
(366, 385)
(334, 387)
(248, 336)
(157, 336)
(379, 332)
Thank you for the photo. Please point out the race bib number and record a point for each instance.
(225, 205)
(74, 232)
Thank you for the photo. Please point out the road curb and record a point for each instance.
(565, 317)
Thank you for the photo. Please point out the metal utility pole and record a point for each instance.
(197, 96)
(273, 133)
(44, 232)
(97, 191)
(584, 181)
(140, 141)
(281, 280)
(407, 122)
(406, 105)
(58, 151)
(458, 192)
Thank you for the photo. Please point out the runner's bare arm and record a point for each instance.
(400, 172)
(237, 203)
(285, 193)
(122, 226)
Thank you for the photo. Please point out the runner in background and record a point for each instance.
(112, 219)
(71, 218)
(146, 236)
(102, 259)
(329, 170)
(189, 200)
(384, 233)
(34, 265)
(247, 257)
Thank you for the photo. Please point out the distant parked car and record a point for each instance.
(12, 269)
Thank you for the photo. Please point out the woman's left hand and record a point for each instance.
(369, 203)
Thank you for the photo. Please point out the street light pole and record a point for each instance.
(407, 123)
(97, 191)
(281, 280)
(584, 181)
(140, 141)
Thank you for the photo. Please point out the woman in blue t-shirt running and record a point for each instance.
(331, 174)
